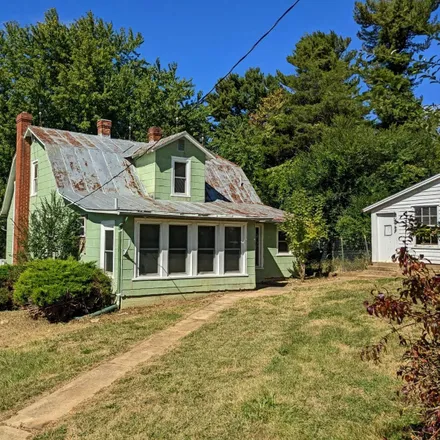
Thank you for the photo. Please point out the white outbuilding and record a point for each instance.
(421, 201)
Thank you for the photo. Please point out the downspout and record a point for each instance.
(120, 257)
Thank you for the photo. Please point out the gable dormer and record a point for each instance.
(172, 168)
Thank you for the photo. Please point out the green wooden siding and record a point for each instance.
(275, 266)
(146, 169)
(155, 172)
(165, 286)
(10, 231)
(46, 179)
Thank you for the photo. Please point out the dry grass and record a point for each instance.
(36, 357)
(275, 368)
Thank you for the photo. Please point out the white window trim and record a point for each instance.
(34, 188)
(187, 161)
(261, 249)
(192, 251)
(426, 245)
(282, 254)
(84, 218)
(83, 240)
(107, 225)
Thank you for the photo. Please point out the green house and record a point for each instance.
(163, 217)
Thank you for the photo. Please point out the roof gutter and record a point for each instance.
(9, 191)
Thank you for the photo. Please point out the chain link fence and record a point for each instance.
(339, 255)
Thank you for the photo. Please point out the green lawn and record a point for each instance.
(36, 356)
(275, 368)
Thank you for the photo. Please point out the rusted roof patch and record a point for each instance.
(96, 173)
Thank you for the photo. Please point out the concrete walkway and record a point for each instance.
(31, 419)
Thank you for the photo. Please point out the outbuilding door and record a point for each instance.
(387, 240)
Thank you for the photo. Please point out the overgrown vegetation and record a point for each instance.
(54, 231)
(9, 275)
(305, 228)
(62, 289)
(314, 129)
(413, 314)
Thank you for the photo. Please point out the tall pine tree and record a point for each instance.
(395, 35)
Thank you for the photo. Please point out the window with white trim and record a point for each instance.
(180, 176)
(107, 247)
(149, 249)
(192, 249)
(283, 245)
(82, 234)
(259, 246)
(206, 249)
(426, 219)
(34, 178)
(177, 249)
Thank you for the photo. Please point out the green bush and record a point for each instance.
(62, 289)
(9, 275)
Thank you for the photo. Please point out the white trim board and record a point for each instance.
(414, 188)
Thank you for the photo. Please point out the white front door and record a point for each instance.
(387, 240)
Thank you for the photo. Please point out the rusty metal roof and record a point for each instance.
(226, 181)
(83, 163)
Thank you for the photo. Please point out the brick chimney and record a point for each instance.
(22, 182)
(104, 127)
(154, 134)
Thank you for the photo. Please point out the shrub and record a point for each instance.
(62, 289)
(8, 277)
(413, 314)
(54, 231)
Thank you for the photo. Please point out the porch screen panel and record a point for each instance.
(232, 248)
(149, 249)
(177, 249)
(206, 249)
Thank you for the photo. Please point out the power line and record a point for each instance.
(203, 98)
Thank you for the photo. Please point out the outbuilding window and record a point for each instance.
(426, 218)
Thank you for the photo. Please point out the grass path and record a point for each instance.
(284, 367)
(37, 357)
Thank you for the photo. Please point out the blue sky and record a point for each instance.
(207, 37)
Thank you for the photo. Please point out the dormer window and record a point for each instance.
(181, 171)
(34, 178)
